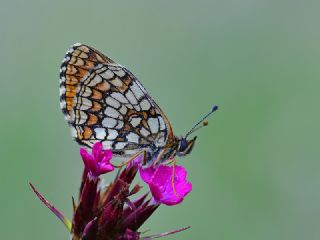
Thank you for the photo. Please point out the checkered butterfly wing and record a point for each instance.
(78, 61)
(112, 106)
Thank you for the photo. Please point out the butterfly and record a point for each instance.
(103, 101)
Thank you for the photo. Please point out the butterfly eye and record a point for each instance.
(183, 145)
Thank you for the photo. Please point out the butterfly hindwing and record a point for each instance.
(113, 107)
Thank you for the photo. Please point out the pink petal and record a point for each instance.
(163, 175)
(104, 168)
(146, 174)
(96, 150)
(87, 158)
(98, 162)
(156, 192)
(161, 183)
(107, 155)
(171, 201)
(84, 154)
(171, 197)
(180, 173)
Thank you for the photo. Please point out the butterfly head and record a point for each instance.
(185, 146)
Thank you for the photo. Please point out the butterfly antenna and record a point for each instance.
(203, 121)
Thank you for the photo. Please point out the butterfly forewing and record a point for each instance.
(109, 105)
(78, 61)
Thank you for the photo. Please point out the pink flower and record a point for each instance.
(115, 211)
(98, 162)
(163, 187)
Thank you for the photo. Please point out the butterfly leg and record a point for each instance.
(173, 177)
(159, 158)
(133, 158)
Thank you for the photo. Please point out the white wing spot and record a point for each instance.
(85, 91)
(120, 73)
(120, 145)
(162, 124)
(63, 104)
(135, 121)
(114, 67)
(74, 132)
(137, 107)
(123, 110)
(153, 124)
(109, 122)
(62, 90)
(145, 105)
(86, 104)
(107, 144)
(112, 102)
(100, 69)
(119, 97)
(137, 91)
(111, 112)
(82, 117)
(132, 137)
(131, 98)
(144, 132)
(97, 79)
(100, 133)
(119, 125)
(112, 134)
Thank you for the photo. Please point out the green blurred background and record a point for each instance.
(255, 169)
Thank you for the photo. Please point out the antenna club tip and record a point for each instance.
(214, 108)
(205, 123)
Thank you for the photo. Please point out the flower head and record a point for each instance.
(168, 184)
(112, 212)
(98, 162)
(107, 213)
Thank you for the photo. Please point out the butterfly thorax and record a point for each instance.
(179, 147)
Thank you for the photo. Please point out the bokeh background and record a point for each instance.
(255, 169)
